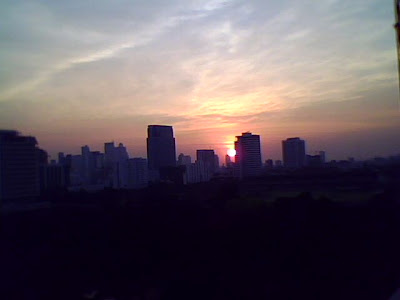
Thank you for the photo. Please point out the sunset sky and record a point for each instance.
(87, 72)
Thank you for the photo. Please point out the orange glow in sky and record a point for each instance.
(86, 82)
(231, 152)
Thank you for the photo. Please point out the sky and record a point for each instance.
(76, 73)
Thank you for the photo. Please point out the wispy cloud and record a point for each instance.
(137, 39)
(218, 67)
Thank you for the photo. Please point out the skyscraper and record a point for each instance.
(293, 152)
(138, 175)
(116, 165)
(109, 153)
(208, 158)
(184, 160)
(248, 155)
(228, 160)
(19, 166)
(160, 147)
(88, 164)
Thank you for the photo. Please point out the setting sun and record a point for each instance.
(231, 152)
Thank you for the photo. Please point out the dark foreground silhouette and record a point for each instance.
(201, 242)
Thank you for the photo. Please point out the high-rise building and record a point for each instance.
(228, 160)
(65, 162)
(98, 168)
(294, 152)
(248, 155)
(88, 165)
(317, 160)
(121, 153)
(184, 160)
(269, 164)
(122, 166)
(208, 158)
(53, 176)
(19, 166)
(61, 158)
(138, 175)
(197, 172)
(109, 154)
(160, 147)
(76, 170)
(116, 165)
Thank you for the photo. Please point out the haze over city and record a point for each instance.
(78, 73)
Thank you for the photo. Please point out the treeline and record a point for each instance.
(202, 242)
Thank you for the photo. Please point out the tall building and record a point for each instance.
(269, 164)
(53, 176)
(228, 160)
(184, 160)
(88, 164)
(138, 175)
(248, 155)
(19, 166)
(122, 166)
(65, 161)
(160, 147)
(109, 154)
(76, 170)
(197, 172)
(116, 165)
(98, 175)
(61, 158)
(294, 152)
(317, 160)
(208, 158)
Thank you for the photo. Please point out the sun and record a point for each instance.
(231, 152)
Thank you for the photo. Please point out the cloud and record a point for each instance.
(138, 39)
(217, 67)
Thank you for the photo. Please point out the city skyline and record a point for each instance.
(227, 150)
(76, 74)
(27, 172)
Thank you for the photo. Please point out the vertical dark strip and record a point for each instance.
(397, 28)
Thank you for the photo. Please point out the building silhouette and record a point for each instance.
(294, 153)
(317, 160)
(88, 165)
(228, 160)
(19, 166)
(53, 177)
(109, 153)
(248, 155)
(160, 147)
(76, 170)
(116, 165)
(208, 159)
(138, 173)
(184, 160)
(269, 164)
(197, 172)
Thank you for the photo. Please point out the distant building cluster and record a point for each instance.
(25, 171)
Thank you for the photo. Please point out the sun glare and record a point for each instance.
(231, 152)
